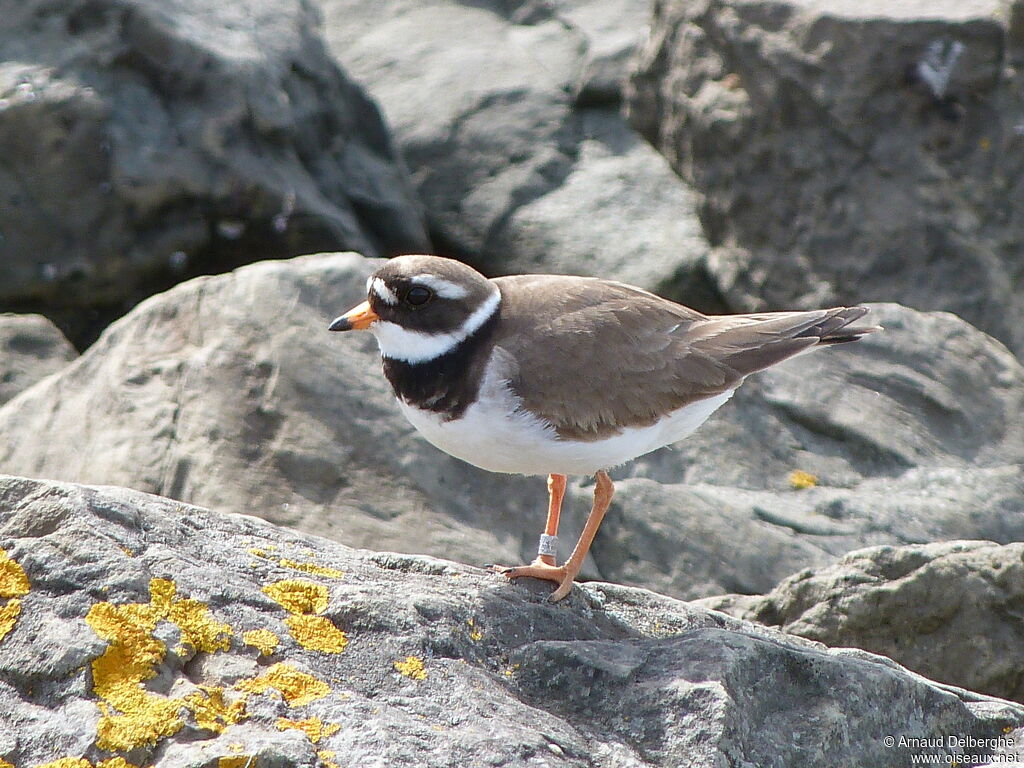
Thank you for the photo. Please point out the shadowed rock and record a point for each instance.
(144, 141)
(845, 151)
(949, 610)
(31, 348)
(514, 139)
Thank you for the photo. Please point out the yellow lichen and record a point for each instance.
(257, 552)
(314, 728)
(5, 764)
(212, 711)
(475, 633)
(800, 480)
(66, 762)
(13, 584)
(115, 762)
(78, 762)
(312, 568)
(8, 616)
(326, 757)
(296, 687)
(303, 599)
(263, 640)
(236, 761)
(13, 579)
(412, 666)
(316, 633)
(132, 716)
(298, 595)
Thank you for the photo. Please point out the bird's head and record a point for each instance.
(421, 307)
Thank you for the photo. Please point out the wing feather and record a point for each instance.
(595, 356)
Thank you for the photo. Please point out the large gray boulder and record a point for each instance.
(145, 140)
(229, 392)
(31, 348)
(949, 610)
(914, 434)
(868, 151)
(137, 627)
(514, 138)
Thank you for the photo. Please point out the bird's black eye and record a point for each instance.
(418, 296)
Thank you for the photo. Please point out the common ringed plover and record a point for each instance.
(558, 375)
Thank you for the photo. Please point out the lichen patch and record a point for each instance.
(296, 687)
(800, 480)
(133, 716)
(298, 595)
(13, 584)
(412, 666)
(314, 728)
(311, 568)
(13, 579)
(316, 633)
(263, 640)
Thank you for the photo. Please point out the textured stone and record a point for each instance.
(846, 151)
(514, 139)
(949, 610)
(142, 141)
(230, 393)
(444, 663)
(31, 348)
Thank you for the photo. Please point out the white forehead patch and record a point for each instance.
(379, 287)
(398, 343)
(446, 289)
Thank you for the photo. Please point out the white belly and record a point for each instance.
(494, 436)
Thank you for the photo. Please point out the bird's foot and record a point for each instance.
(538, 569)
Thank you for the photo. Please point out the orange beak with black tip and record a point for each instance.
(356, 319)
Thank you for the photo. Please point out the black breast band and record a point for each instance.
(448, 384)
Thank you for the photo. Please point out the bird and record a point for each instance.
(562, 375)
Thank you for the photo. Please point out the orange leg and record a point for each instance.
(556, 492)
(566, 574)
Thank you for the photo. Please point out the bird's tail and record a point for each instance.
(835, 328)
(749, 343)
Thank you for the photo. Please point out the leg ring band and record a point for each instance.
(548, 545)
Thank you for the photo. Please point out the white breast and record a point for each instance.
(497, 435)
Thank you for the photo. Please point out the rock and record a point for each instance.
(31, 348)
(229, 392)
(163, 609)
(145, 142)
(912, 435)
(699, 539)
(846, 152)
(514, 138)
(928, 391)
(948, 610)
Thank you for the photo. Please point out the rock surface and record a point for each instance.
(31, 348)
(148, 140)
(228, 392)
(949, 610)
(140, 628)
(847, 151)
(514, 138)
